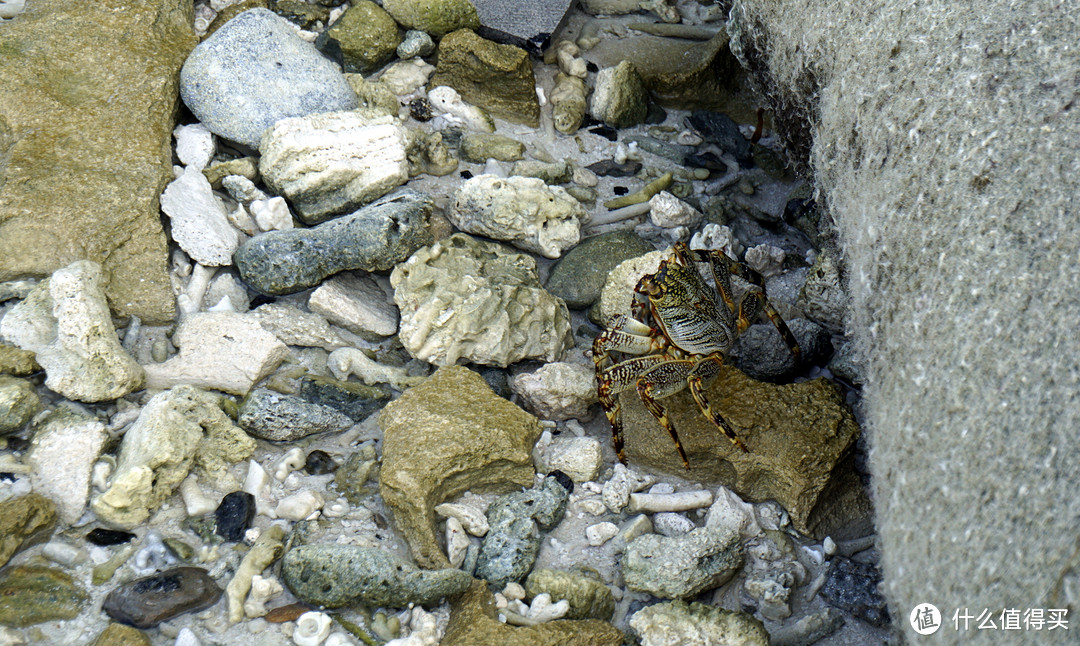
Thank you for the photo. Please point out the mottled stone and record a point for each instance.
(25, 521)
(222, 350)
(355, 400)
(474, 622)
(366, 36)
(823, 296)
(352, 478)
(448, 435)
(121, 635)
(853, 587)
(277, 417)
(66, 322)
(497, 78)
(436, 17)
(580, 274)
(464, 298)
(620, 98)
(800, 437)
(375, 238)
(523, 23)
(589, 598)
(478, 147)
(558, 390)
(338, 575)
(146, 602)
(681, 567)
(720, 129)
(763, 354)
(19, 402)
(62, 453)
(14, 361)
(302, 14)
(33, 594)
(255, 71)
(510, 547)
(332, 162)
(120, 87)
(677, 623)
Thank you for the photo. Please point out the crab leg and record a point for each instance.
(663, 380)
(703, 373)
(614, 380)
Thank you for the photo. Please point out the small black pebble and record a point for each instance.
(607, 132)
(102, 536)
(591, 66)
(420, 109)
(7, 477)
(620, 190)
(261, 300)
(319, 463)
(234, 515)
(466, 174)
(563, 479)
(18, 444)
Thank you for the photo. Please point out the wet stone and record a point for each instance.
(102, 536)
(853, 587)
(718, 128)
(609, 168)
(31, 594)
(278, 417)
(319, 463)
(579, 276)
(146, 602)
(234, 515)
(356, 400)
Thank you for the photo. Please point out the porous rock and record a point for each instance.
(763, 354)
(580, 274)
(523, 211)
(478, 147)
(357, 303)
(34, 594)
(14, 361)
(677, 623)
(448, 435)
(255, 71)
(176, 430)
(62, 453)
(558, 390)
(330, 163)
(25, 521)
(474, 622)
(497, 78)
(199, 222)
(222, 350)
(799, 436)
(116, 634)
(146, 602)
(589, 598)
(19, 402)
(618, 291)
(334, 575)
(620, 98)
(375, 238)
(509, 548)
(823, 296)
(66, 322)
(365, 35)
(121, 87)
(569, 103)
(355, 400)
(273, 416)
(436, 17)
(464, 298)
(681, 567)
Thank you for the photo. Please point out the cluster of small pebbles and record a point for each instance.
(374, 418)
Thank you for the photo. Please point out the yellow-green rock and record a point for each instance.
(436, 17)
(14, 361)
(589, 598)
(32, 594)
(366, 36)
(25, 521)
(120, 635)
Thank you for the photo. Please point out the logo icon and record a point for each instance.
(925, 619)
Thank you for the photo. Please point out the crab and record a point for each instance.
(678, 335)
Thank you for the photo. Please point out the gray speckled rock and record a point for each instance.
(255, 71)
(340, 575)
(375, 238)
(354, 399)
(510, 546)
(580, 275)
(18, 403)
(680, 567)
(283, 418)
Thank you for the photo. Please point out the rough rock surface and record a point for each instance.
(333, 162)
(509, 548)
(464, 298)
(620, 98)
(200, 224)
(33, 594)
(293, 326)
(176, 430)
(276, 417)
(589, 598)
(375, 238)
(448, 435)
(222, 350)
(558, 391)
(677, 623)
(339, 575)
(800, 439)
(357, 303)
(497, 78)
(366, 36)
(523, 211)
(436, 17)
(19, 402)
(255, 71)
(521, 22)
(946, 195)
(25, 521)
(681, 567)
(62, 453)
(474, 622)
(123, 81)
(65, 321)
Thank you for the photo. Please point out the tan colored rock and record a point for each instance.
(800, 438)
(14, 361)
(120, 635)
(62, 453)
(25, 521)
(618, 291)
(68, 191)
(448, 435)
(474, 622)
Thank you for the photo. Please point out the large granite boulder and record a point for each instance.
(86, 119)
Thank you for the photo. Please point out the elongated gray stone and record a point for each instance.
(339, 575)
(283, 418)
(146, 602)
(375, 238)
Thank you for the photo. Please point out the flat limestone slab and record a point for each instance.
(87, 107)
